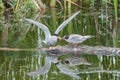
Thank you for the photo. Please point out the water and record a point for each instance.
(15, 64)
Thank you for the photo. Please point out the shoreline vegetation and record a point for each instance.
(39, 7)
(12, 16)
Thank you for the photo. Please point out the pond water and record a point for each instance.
(16, 64)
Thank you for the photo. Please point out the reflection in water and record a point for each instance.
(62, 67)
(19, 64)
(74, 61)
(42, 70)
(45, 69)
(67, 71)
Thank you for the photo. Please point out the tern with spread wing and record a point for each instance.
(52, 39)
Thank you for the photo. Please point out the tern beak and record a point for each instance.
(60, 38)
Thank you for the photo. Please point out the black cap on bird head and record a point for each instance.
(55, 34)
(58, 37)
(66, 37)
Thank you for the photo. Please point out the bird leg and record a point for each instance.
(75, 45)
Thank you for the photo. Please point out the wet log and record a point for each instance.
(84, 49)
(67, 49)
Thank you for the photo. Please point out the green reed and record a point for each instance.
(81, 24)
(115, 9)
(53, 3)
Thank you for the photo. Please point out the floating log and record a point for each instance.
(84, 49)
(67, 49)
(15, 49)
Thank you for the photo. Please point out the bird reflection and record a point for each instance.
(52, 39)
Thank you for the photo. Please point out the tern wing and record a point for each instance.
(65, 23)
(75, 38)
(41, 26)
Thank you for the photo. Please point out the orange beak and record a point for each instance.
(60, 38)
